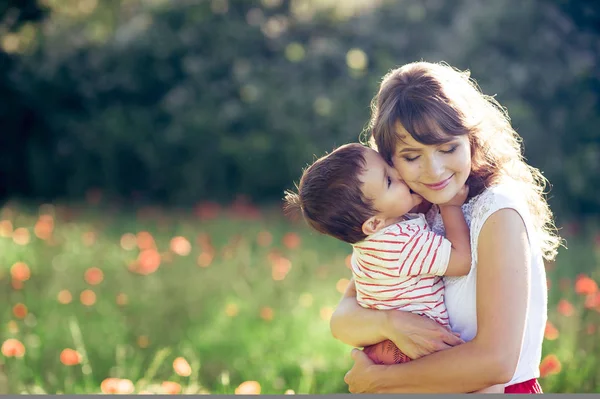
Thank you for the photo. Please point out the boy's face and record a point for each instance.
(382, 184)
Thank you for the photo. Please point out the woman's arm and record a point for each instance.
(491, 357)
(415, 335)
(354, 325)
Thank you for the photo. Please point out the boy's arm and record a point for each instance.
(457, 232)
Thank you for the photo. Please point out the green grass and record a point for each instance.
(230, 320)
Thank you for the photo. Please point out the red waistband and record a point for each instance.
(530, 386)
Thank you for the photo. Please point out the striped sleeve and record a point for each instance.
(424, 253)
(378, 256)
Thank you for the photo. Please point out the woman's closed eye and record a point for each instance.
(450, 150)
(410, 159)
(389, 181)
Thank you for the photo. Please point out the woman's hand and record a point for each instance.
(418, 336)
(360, 378)
(414, 335)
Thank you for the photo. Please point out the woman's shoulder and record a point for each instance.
(506, 194)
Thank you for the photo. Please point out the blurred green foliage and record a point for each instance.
(177, 102)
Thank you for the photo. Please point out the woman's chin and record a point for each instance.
(439, 196)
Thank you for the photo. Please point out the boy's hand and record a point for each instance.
(422, 204)
(459, 198)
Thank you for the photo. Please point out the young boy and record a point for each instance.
(352, 194)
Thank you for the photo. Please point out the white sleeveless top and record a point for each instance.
(461, 291)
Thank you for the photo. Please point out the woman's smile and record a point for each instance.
(439, 185)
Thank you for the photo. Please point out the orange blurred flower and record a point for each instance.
(550, 333)
(280, 267)
(248, 388)
(125, 387)
(565, 308)
(592, 301)
(88, 238)
(87, 297)
(20, 311)
(117, 386)
(326, 313)
(109, 385)
(550, 365)
(231, 309)
(291, 240)
(266, 313)
(13, 348)
(13, 327)
(171, 388)
(128, 241)
(44, 227)
(93, 276)
(122, 299)
(21, 236)
(70, 357)
(20, 271)
(64, 297)
(6, 228)
(341, 285)
(182, 367)
(148, 262)
(205, 259)
(264, 239)
(180, 245)
(143, 341)
(585, 285)
(145, 240)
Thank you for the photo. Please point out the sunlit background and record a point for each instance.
(146, 145)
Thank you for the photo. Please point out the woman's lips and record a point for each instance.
(439, 185)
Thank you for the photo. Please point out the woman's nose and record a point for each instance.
(435, 168)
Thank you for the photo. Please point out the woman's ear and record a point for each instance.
(372, 225)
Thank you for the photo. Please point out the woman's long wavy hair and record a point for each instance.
(432, 101)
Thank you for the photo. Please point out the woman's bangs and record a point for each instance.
(433, 124)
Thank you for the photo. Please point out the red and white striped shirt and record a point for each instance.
(399, 268)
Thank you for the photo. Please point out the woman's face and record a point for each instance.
(436, 172)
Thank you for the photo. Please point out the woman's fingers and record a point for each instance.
(357, 378)
(442, 346)
(452, 339)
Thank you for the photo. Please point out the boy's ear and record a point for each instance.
(372, 225)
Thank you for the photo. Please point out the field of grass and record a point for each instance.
(214, 300)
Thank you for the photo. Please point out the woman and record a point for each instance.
(439, 131)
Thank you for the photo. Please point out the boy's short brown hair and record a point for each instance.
(330, 194)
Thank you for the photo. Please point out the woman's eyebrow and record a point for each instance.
(408, 149)
(411, 149)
